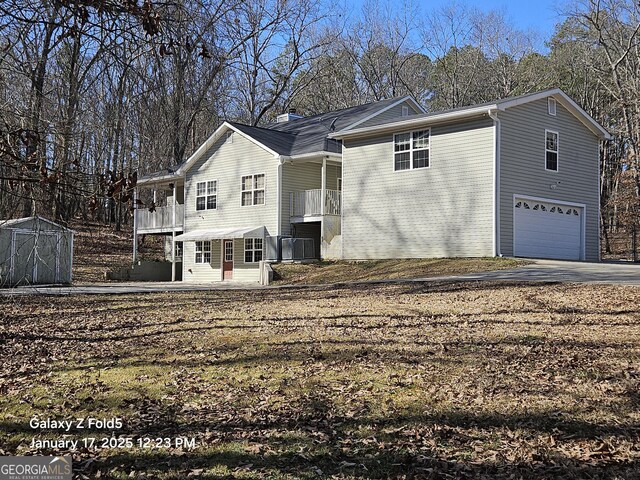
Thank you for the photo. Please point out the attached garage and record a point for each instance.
(548, 229)
(34, 250)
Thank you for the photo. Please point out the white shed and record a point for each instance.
(34, 250)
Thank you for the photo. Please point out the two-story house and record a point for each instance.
(248, 193)
(515, 177)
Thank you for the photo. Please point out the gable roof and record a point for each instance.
(16, 222)
(299, 137)
(479, 109)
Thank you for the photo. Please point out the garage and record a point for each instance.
(546, 229)
(34, 250)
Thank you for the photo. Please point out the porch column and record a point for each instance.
(135, 225)
(154, 203)
(173, 236)
(323, 202)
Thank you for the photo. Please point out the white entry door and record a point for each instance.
(543, 229)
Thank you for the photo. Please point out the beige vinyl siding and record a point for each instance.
(243, 272)
(227, 161)
(296, 177)
(522, 166)
(391, 114)
(441, 211)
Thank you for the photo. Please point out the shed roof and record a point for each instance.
(16, 222)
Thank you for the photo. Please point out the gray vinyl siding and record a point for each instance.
(394, 113)
(442, 211)
(297, 177)
(522, 167)
(227, 161)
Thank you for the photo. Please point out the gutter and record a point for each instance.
(493, 113)
(421, 121)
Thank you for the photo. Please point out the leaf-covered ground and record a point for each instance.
(433, 380)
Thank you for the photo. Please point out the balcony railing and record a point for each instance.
(161, 220)
(309, 203)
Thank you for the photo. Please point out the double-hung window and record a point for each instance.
(551, 150)
(411, 150)
(253, 190)
(203, 251)
(207, 195)
(252, 250)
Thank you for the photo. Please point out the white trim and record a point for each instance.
(304, 156)
(557, 151)
(388, 107)
(233, 254)
(211, 140)
(278, 198)
(195, 251)
(599, 200)
(552, 106)
(206, 195)
(471, 111)
(410, 151)
(566, 102)
(497, 133)
(244, 250)
(252, 175)
(415, 123)
(583, 219)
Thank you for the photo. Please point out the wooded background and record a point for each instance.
(96, 92)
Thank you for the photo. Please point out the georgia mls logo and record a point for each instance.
(35, 468)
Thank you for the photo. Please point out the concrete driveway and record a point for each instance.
(539, 271)
(621, 273)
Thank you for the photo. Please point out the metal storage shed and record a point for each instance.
(34, 250)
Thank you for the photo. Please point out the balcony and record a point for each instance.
(161, 220)
(308, 203)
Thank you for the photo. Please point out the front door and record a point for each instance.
(227, 260)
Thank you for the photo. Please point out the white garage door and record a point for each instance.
(547, 230)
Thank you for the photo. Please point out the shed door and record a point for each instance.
(547, 230)
(24, 258)
(47, 258)
(227, 259)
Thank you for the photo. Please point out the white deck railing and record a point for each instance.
(309, 203)
(161, 219)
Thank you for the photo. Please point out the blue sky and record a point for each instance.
(538, 15)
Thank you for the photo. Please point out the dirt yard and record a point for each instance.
(434, 380)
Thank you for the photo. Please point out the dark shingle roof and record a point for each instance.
(309, 134)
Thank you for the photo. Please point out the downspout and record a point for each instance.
(281, 160)
(496, 181)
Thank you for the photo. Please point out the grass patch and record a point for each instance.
(329, 272)
(435, 380)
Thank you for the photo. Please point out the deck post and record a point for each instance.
(173, 237)
(154, 205)
(323, 202)
(135, 225)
